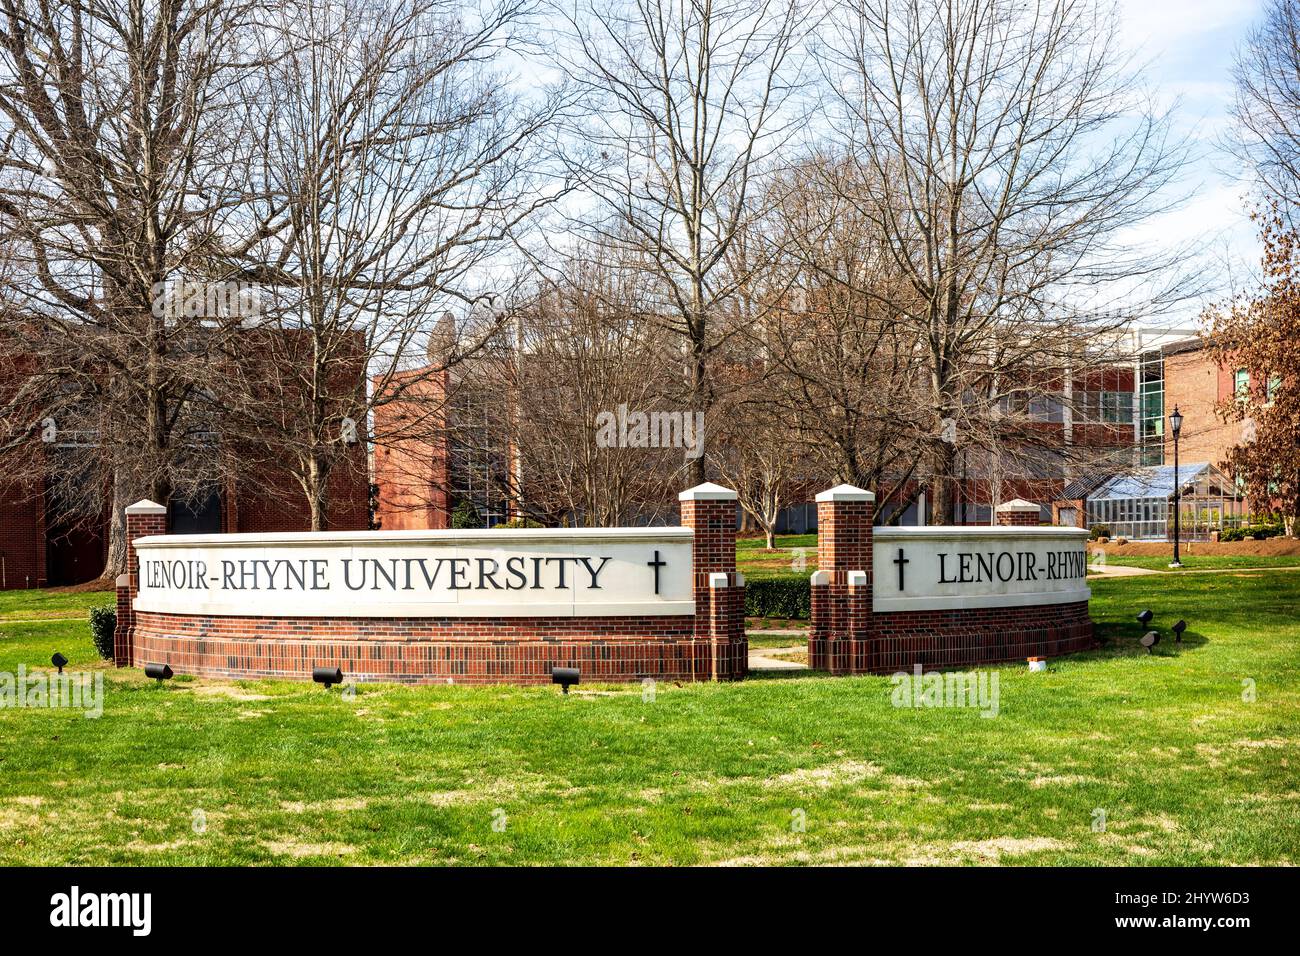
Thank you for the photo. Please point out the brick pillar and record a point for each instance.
(124, 623)
(142, 518)
(721, 651)
(839, 638)
(1018, 512)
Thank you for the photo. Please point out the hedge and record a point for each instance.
(788, 596)
(103, 621)
(1255, 531)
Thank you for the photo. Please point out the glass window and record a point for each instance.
(1241, 384)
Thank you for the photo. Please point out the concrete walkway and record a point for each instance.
(1119, 570)
(764, 659)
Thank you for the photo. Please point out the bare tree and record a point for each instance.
(840, 365)
(760, 456)
(402, 169)
(1004, 147)
(689, 103)
(585, 368)
(1267, 107)
(122, 161)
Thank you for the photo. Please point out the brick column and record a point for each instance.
(1018, 512)
(125, 621)
(142, 518)
(721, 651)
(839, 638)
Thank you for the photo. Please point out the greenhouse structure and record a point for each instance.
(1139, 503)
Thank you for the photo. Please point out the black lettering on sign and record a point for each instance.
(515, 568)
(382, 574)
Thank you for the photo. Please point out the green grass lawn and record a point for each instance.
(756, 562)
(36, 604)
(1185, 770)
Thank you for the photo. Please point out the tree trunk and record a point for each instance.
(115, 561)
(941, 484)
(770, 534)
(699, 401)
(318, 472)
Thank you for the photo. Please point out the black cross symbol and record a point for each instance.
(900, 561)
(656, 564)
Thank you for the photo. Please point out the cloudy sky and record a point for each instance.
(1189, 47)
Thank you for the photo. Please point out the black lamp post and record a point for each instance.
(1176, 426)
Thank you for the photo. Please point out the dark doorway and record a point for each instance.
(74, 544)
(199, 515)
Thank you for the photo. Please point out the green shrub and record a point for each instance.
(465, 515)
(103, 621)
(520, 523)
(1254, 531)
(1100, 531)
(785, 597)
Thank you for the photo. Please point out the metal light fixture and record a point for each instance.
(1178, 631)
(327, 676)
(58, 660)
(565, 676)
(1145, 617)
(1150, 639)
(159, 672)
(1176, 426)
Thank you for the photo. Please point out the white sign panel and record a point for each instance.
(510, 572)
(939, 568)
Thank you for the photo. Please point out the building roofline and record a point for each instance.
(1182, 346)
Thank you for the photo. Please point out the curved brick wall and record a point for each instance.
(970, 637)
(431, 650)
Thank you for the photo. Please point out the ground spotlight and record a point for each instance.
(1178, 631)
(159, 672)
(1145, 617)
(327, 676)
(1150, 639)
(58, 660)
(564, 676)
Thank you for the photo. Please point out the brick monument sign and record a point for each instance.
(619, 604)
(490, 606)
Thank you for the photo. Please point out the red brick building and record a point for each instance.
(41, 545)
(1077, 432)
(41, 548)
(411, 471)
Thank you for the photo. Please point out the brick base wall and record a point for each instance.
(971, 637)
(434, 650)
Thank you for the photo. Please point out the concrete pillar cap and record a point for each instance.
(707, 492)
(146, 507)
(845, 493)
(1017, 504)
